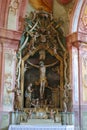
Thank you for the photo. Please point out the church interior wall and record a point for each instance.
(11, 27)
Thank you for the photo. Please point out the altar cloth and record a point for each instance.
(40, 127)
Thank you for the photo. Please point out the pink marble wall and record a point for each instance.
(0, 69)
(8, 48)
(4, 4)
(78, 51)
(9, 41)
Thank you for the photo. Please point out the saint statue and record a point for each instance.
(28, 92)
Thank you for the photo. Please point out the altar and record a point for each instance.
(41, 127)
(42, 99)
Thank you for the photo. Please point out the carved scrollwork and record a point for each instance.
(43, 40)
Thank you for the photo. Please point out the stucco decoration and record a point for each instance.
(12, 14)
(14, 4)
(83, 20)
(8, 80)
(84, 17)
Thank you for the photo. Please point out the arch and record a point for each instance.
(82, 22)
(75, 16)
(77, 45)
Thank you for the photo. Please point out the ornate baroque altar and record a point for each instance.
(42, 85)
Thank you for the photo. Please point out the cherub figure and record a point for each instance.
(52, 114)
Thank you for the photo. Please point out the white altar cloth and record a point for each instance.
(40, 127)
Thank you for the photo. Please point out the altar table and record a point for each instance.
(41, 127)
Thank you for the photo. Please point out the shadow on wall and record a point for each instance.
(4, 128)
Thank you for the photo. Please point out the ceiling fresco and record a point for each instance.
(61, 9)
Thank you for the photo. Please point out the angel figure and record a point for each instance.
(43, 79)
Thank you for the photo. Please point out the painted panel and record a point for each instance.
(83, 19)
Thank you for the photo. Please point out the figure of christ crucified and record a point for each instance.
(43, 79)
